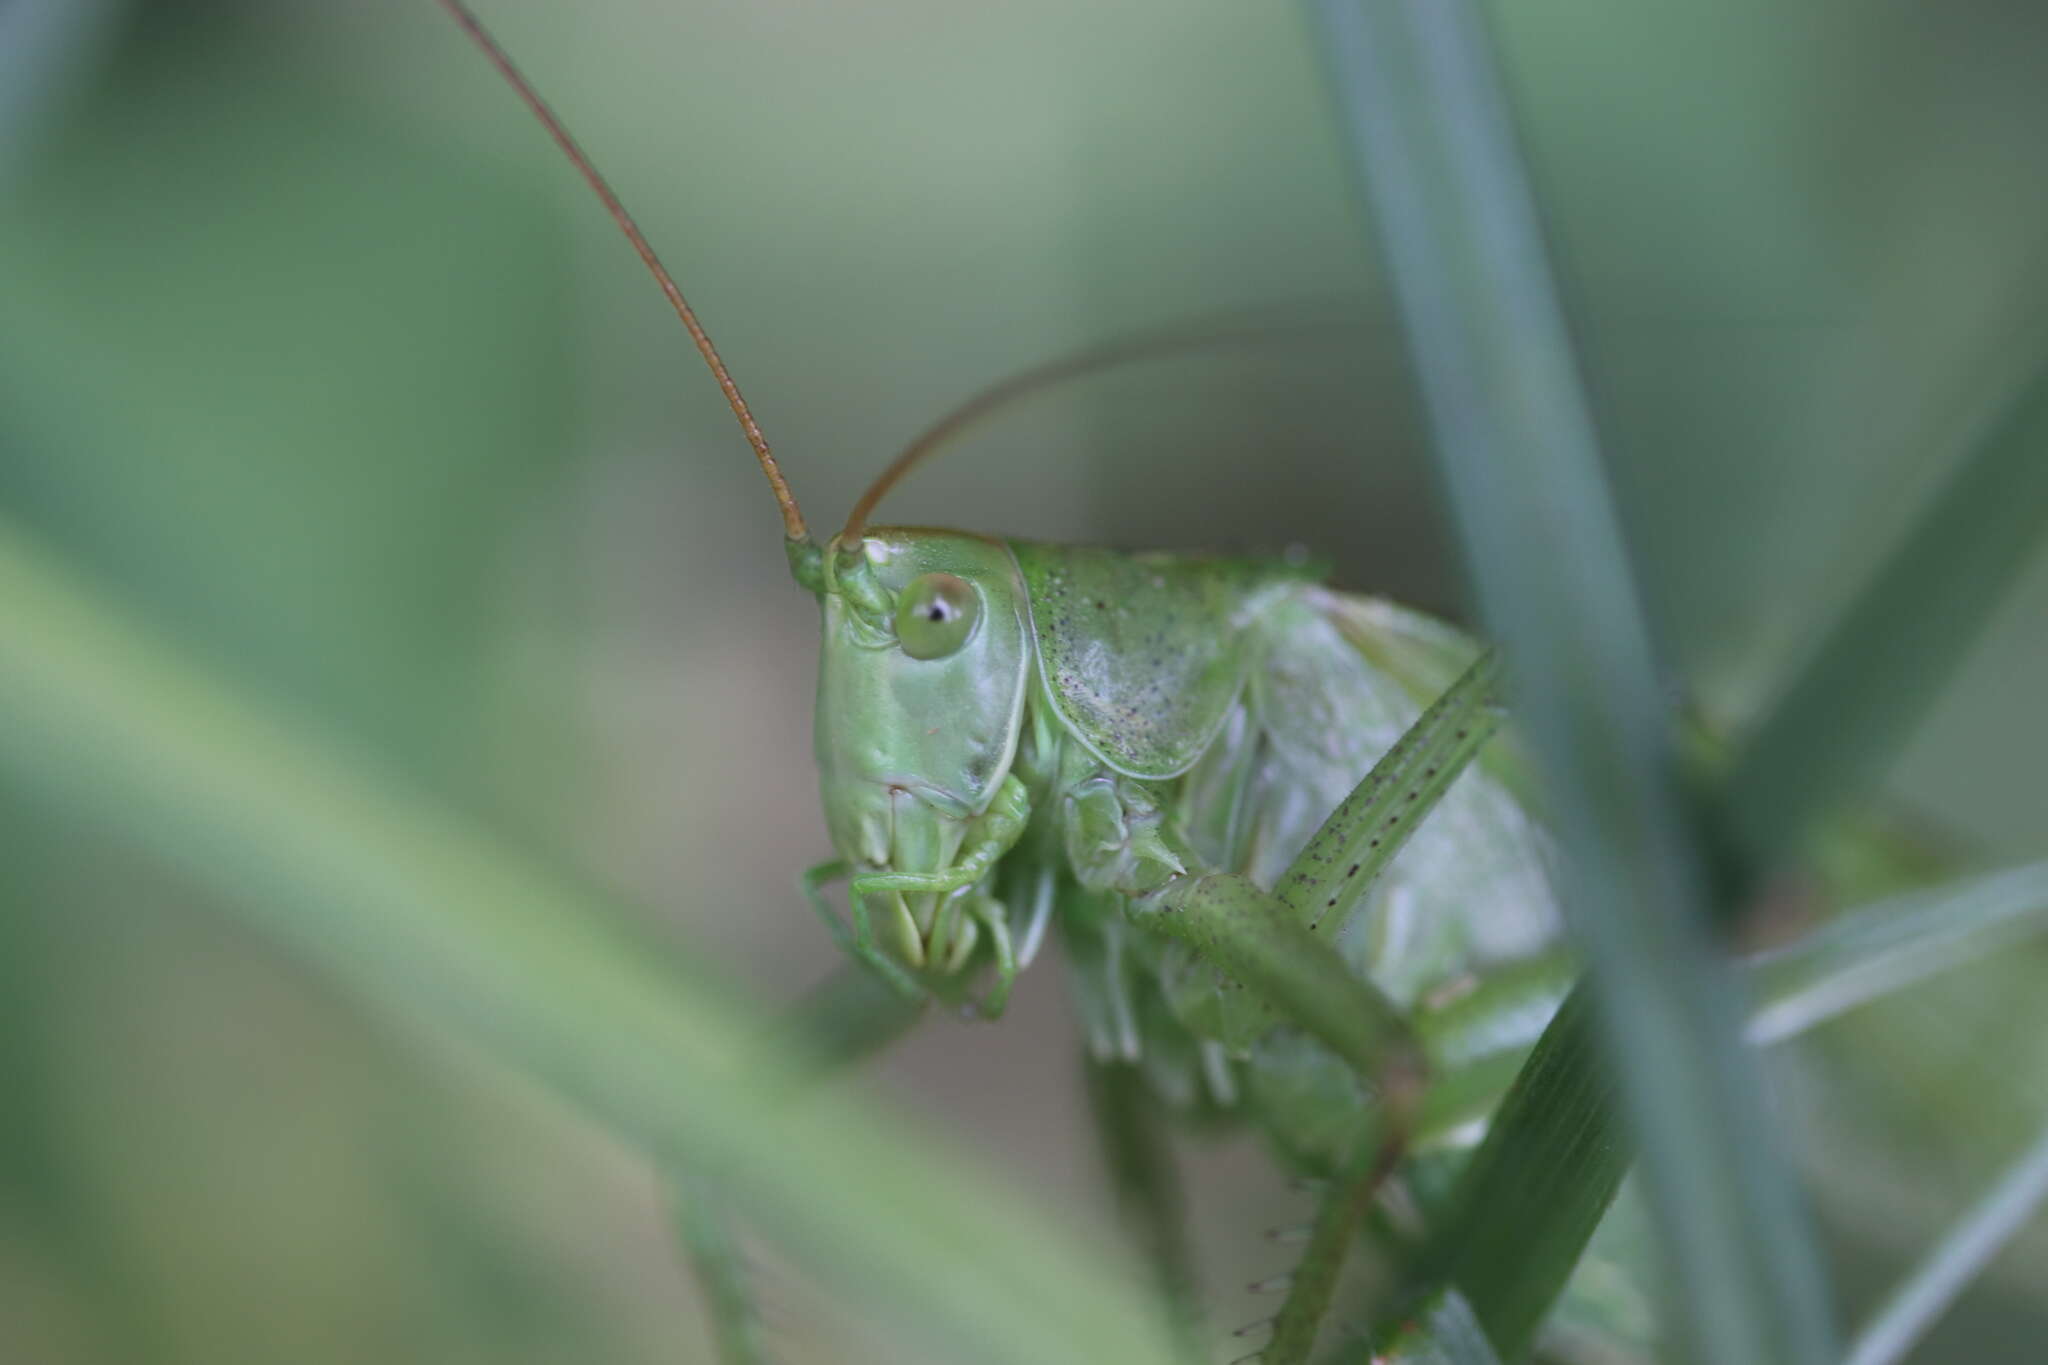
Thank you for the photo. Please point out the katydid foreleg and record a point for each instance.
(858, 943)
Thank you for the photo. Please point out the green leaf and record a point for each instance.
(1538, 1186)
(1477, 1041)
(429, 919)
(1519, 460)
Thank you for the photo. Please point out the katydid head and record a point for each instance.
(918, 714)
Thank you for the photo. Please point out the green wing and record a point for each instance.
(1144, 654)
(1422, 656)
(1343, 677)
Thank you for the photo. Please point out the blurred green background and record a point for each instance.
(314, 353)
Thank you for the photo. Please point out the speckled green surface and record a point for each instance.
(1143, 654)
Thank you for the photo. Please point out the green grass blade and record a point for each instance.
(1519, 461)
(429, 919)
(1851, 706)
(1477, 1042)
(1538, 1186)
(1876, 949)
(1962, 1254)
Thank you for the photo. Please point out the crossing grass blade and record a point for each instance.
(426, 918)
(1876, 949)
(1519, 461)
(1961, 1255)
(1523, 1210)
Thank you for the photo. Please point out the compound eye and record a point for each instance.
(936, 615)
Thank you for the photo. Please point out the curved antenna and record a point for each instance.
(1232, 329)
(792, 519)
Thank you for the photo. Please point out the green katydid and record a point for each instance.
(1141, 749)
(1208, 777)
(1004, 728)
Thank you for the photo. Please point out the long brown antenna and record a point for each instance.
(1231, 329)
(792, 519)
